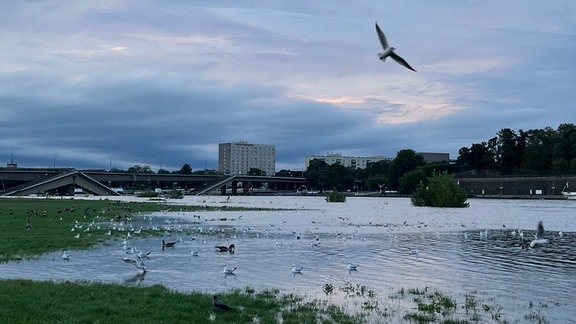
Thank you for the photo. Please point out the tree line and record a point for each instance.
(533, 152)
(523, 153)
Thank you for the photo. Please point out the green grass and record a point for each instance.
(52, 222)
(25, 301)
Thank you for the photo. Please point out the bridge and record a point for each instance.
(98, 182)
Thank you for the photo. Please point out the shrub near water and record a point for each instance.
(336, 196)
(441, 191)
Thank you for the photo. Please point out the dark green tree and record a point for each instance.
(377, 183)
(405, 161)
(256, 172)
(410, 181)
(316, 175)
(185, 169)
(339, 177)
(140, 169)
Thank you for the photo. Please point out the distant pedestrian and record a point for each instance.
(28, 225)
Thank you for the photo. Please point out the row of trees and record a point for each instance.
(532, 152)
(403, 173)
(186, 169)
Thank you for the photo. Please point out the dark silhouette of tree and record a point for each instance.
(316, 175)
(185, 169)
(256, 172)
(536, 151)
(405, 161)
(140, 169)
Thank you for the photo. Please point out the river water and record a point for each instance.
(480, 250)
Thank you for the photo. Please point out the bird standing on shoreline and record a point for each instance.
(219, 305)
(389, 51)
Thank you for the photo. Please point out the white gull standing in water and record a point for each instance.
(229, 271)
(296, 269)
(352, 266)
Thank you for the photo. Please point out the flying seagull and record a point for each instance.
(138, 263)
(389, 51)
(539, 236)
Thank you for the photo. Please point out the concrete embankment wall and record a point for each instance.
(517, 186)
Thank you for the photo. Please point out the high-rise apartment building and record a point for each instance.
(240, 157)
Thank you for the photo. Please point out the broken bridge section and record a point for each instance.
(64, 183)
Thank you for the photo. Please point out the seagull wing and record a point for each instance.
(400, 60)
(381, 37)
(540, 230)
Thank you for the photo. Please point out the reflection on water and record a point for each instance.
(492, 263)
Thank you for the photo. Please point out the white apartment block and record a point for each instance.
(355, 162)
(240, 157)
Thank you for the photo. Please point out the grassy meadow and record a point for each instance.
(31, 227)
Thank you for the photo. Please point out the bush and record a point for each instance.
(175, 194)
(441, 191)
(336, 196)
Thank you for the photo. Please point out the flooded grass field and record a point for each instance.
(479, 256)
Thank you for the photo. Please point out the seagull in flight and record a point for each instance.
(138, 263)
(539, 236)
(389, 51)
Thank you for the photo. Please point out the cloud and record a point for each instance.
(96, 83)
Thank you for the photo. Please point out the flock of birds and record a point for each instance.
(136, 258)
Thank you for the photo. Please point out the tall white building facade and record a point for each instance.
(240, 157)
(356, 162)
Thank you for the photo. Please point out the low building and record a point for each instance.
(434, 157)
(355, 162)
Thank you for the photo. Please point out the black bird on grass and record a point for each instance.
(219, 305)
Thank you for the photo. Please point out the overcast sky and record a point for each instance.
(94, 84)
